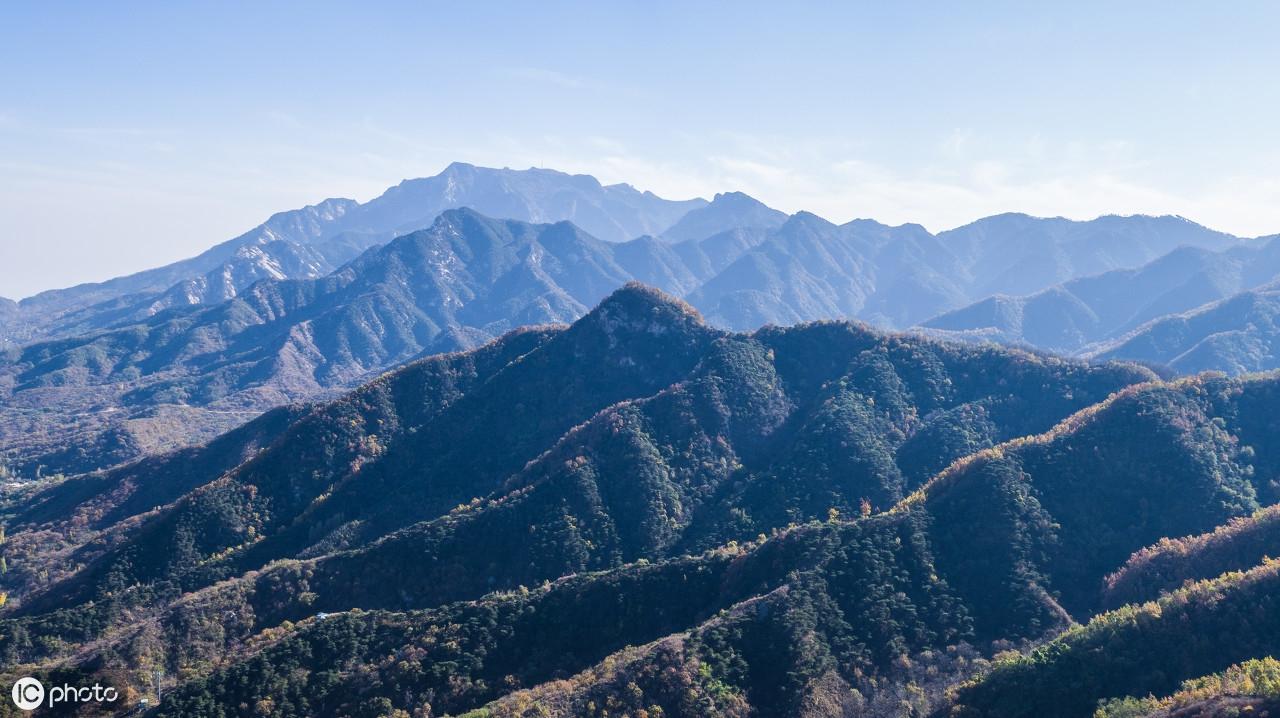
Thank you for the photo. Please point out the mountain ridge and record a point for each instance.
(208, 367)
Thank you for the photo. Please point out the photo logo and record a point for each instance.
(28, 693)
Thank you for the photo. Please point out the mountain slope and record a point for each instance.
(1142, 650)
(1171, 564)
(1246, 688)
(729, 368)
(999, 547)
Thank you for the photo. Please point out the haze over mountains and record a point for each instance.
(319, 298)
(1237, 335)
(1105, 307)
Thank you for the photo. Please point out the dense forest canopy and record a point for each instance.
(639, 514)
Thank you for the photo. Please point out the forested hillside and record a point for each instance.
(812, 520)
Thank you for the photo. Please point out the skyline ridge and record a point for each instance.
(455, 165)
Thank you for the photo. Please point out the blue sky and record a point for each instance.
(133, 134)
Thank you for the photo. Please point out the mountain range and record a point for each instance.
(315, 240)
(643, 514)
(318, 299)
(194, 370)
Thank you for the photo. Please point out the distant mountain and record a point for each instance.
(298, 226)
(1191, 310)
(898, 276)
(730, 210)
(8, 312)
(1020, 254)
(1237, 335)
(314, 241)
(1094, 315)
(276, 259)
(641, 512)
(809, 268)
(1009, 254)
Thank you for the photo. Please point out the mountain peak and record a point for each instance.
(637, 310)
(806, 221)
(638, 300)
(736, 198)
(728, 210)
(460, 220)
(641, 332)
(457, 214)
